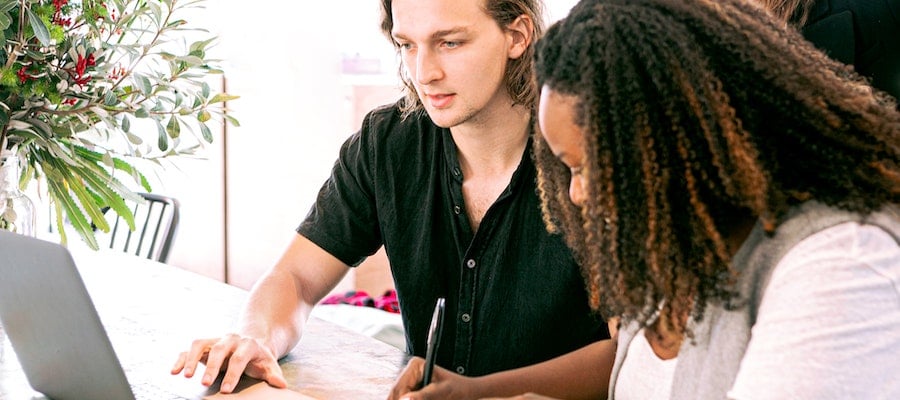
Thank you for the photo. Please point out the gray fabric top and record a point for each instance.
(708, 364)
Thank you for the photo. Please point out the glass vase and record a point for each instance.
(17, 212)
(16, 209)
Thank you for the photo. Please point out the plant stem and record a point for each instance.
(3, 137)
(13, 54)
(161, 27)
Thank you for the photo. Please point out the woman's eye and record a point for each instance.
(575, 171)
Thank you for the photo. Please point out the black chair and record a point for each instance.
(155, 223)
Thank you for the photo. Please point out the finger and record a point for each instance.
(432, 391)
(245, 351)
(179, 364)
(275, 377)
(409, 379)
(198, 351)
(216, 357)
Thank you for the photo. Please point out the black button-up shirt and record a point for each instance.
(515, 296)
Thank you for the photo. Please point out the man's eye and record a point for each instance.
(451, 45)
(404, 46)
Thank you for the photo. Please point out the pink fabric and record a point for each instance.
(387, 302)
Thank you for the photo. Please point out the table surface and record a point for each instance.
(153, 311)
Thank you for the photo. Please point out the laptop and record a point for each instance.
(56, 332)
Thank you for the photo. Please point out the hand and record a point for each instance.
(240, 355)
(444, 384)
(526, 396)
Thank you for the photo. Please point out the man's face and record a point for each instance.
(455, 55)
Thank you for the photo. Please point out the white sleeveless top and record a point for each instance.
(849, 273)
(644, 376)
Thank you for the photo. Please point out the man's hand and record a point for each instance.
(239, 355)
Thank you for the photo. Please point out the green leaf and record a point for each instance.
(135, 139)
(120, 165)
(207, 134)
(204, 90)
(35, 55)
(107, 160)
(89, 205)
(40, 30)
(141, 112)
(6, 5)
(76, 217)
(232, 120)
(126, 124)
(173, 128)
(109, 98)
(163, 138)
(143, 83)
(203, 116)
(200, 45)
(222, 97)
(57, 210)
(190, 60)
(114, 198)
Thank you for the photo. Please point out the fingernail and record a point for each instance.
(226, 387)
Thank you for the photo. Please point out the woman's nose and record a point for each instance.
(576, 190)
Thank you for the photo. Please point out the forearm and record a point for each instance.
(281, 301)
(581, 374)
(274, 314)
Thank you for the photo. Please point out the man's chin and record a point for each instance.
(443, 118)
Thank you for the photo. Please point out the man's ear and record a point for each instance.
(520, 34)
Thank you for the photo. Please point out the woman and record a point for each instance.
(730, 193)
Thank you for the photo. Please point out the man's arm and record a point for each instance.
(272, 321)
(281, 300)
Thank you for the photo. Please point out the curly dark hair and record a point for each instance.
(519, 72)
(697, 114)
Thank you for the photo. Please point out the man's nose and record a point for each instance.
(427, 67)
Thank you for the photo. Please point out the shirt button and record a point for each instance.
(456, 171)
(460, 370)
(466, 318)
(457, 210)
(470, 263)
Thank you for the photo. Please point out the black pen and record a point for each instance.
(434, 338)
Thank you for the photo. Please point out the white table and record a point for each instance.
(153, 311)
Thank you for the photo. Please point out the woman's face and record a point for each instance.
(556, 117)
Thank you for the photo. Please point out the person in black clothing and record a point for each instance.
(863, 34)
(444, 180)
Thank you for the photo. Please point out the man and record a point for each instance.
(444, 180)
(862, 34)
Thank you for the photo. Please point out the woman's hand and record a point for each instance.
(445, 385)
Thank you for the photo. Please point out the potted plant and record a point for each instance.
(77, 77)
